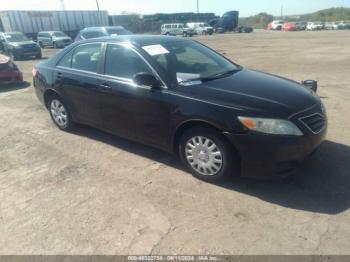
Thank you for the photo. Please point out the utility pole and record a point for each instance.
(281, 11)
(62, 5)
(197, 6)
(98, 6)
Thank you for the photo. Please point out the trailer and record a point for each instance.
(32, 22)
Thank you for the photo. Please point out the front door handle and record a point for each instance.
(59, 75)
(105, 87)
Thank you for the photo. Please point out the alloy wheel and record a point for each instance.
(59, 113)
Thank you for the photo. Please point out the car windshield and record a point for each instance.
(189, 62)
(16, 37)
(118, 31)
(59, 34)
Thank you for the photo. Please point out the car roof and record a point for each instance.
(13, 33)
(53, 31)
(101, 28)
(139, 40)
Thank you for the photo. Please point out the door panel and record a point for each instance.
(135, 112)
(80, 90)
(77, 79)
(129, 110)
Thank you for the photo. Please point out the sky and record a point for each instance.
(246, 7)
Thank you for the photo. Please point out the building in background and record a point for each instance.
(32, 22)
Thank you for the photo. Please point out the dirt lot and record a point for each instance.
(88, 192)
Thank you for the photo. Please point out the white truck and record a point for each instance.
(201, 28)
(176, 29)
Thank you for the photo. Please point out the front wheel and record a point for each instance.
(60, 114)
(207, 154)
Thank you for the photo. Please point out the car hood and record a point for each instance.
(262, 94)
(22, 43)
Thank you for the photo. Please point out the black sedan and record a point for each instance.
(182, 97)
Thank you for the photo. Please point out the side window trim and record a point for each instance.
(129, 80)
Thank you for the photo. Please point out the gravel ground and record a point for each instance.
(89, 192)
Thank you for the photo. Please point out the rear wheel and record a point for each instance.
(207, 154)
(60, 113)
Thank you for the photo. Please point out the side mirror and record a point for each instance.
(146, 79)
(312, 84)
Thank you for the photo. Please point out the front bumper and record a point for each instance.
(270, 156)
(22, 52)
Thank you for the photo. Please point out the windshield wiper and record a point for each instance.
(213, 77)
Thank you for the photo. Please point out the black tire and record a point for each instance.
(69, 123)
(39, 56)
(230, 162)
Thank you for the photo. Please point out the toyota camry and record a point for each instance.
(183, 97)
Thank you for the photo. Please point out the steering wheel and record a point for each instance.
(198, 67)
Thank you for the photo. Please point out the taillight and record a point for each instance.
(34, 72)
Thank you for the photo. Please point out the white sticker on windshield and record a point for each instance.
(155, 50)
(181, 77)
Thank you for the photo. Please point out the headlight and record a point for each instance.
(271, 126)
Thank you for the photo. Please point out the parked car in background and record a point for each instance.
(344, 25)
(289, 26)
(17, 46)
(94, 32)
(9, 72)
(182, 97)
(177, 29)
(56, 39)
(201, 28)
(331, 26)
(313, 26)
(301, 26)
(276, 25)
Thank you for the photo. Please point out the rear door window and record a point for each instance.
(66, 61)
(87, 57)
